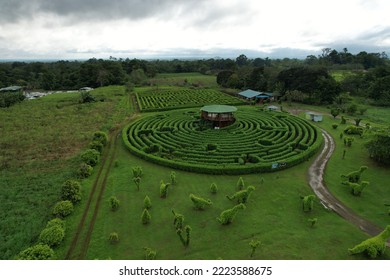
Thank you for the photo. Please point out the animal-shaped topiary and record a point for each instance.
(354, 176)
(227, 216)
(178, 220)
(164, 189)
(199, 202)
(307, 202)
(374, 246)
(242, 196)
(356, 188)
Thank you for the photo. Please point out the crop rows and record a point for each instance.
(257, 141)
(166, 99)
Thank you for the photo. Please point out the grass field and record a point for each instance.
(40, 144)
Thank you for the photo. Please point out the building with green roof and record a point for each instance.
(219, 115)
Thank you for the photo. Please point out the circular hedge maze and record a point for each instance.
(257, 142)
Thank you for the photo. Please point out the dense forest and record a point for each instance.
(308, 80)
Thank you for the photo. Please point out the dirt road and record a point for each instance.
(316, 181)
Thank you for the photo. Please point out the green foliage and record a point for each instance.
(335, 125)
(163, 189)
(146, 217)
(90, 157)
(150, 254)
(356, 188)
(335, 112)
(84, 171)
(227, 216)
(178, 221)
(348, 141)
(213, 188)
(37, 252)
(254, 244)
(352, 129)
(307, 203)
(379, 148)
(242, 196)
(137, 171)
(113, 238)
(100, 137)
(86, 97)
(240, 183)
(63, 208)
(185, 241)
(114, 203)
(137, 181)
(298, 140)
(7, 99)
(199, 202)
(354, 176)
(374, 246)
(56, 222)
(343, 120)
(71, 190)
(147, 202)
(95, 145)
(173, 178)
(52, 235)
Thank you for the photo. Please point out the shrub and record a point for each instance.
(56, 222)
(147, 202)
(199, 202)
(213, 188)
(145, 217)
(113, 238)
(95, 145)
(137, 171)
(52, 236)
(100, 137)
(90, 157)
(240, 183)
(150, 254)
(37, 252)
(114, 203)
(348, 141)
(63, 208)
(335, 125)
(86, 97)
(173, 177)
(84, 171)
(352, 129)
(379, 148)
(71, 191)
(163, 189)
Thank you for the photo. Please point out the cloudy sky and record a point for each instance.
(79, 29)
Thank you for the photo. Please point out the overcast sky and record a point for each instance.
(79, 29)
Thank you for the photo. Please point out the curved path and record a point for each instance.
(316, 181)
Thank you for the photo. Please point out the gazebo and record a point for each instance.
(219, 115)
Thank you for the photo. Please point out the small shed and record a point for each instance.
(313, 116)
(272, 108)
(219, 115)
(256, 95)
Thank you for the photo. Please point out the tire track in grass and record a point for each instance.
(97, 189)
(316, 182)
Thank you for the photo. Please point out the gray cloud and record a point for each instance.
(99, 10)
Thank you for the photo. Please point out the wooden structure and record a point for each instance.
(219, 115)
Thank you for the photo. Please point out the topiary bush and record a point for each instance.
(147, 202)
(63, 208)
(213, 188)
(101, 137)
(71, 190)
(90, 157)
(146, 217)
(37, 252)
(114, 203)
(96, 145)
(113, 238)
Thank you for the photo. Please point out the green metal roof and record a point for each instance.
(218, 109)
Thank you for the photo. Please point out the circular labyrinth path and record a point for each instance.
(257, 142)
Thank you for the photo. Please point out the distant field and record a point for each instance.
(340, 75)
(185, 79)
(167, 98)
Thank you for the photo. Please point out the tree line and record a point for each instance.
(306, 80)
